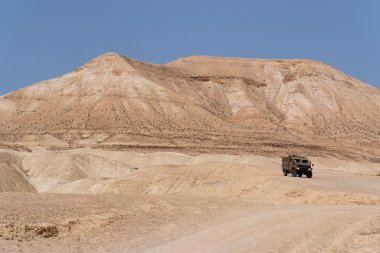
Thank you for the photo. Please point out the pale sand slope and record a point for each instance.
(99, 171)
(179, 203)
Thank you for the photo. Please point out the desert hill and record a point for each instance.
(87, 161)
(197, 103)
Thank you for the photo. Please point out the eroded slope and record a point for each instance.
(198, 104)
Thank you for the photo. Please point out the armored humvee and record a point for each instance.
(297, 166)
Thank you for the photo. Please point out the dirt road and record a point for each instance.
(288, 229)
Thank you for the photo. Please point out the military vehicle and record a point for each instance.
(297, 166)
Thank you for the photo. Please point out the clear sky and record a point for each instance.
(41, 39)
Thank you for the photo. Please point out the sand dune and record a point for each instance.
(97, 171)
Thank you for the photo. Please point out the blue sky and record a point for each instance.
(41, 39)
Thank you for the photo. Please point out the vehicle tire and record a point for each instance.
(285, 173)
(294, 173)
(300, 174)
(309, 174)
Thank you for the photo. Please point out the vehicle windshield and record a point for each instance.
(301, 161)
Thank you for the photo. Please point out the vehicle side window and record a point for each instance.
(304, 161)
(297, 160)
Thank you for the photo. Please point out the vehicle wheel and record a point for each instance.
(309, 174)
(294, 173)
(300, 174)
(285, 173)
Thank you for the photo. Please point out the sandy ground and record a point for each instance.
(90, 200)
(124, 223)
(82, 167)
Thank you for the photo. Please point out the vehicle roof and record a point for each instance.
(294, 156)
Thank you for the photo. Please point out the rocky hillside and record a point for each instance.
(197, 104)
